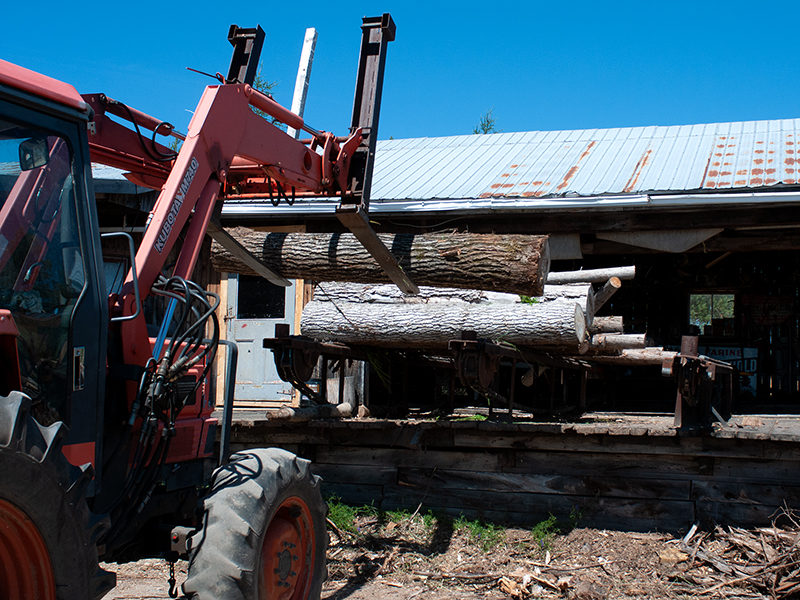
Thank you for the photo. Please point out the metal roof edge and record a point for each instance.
(516, 205)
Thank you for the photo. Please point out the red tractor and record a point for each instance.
(107, 437)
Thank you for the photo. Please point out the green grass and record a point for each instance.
(485, 535)
(344, 516)
(472, 418)
(543, 533)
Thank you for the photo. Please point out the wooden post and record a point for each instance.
(303, 77)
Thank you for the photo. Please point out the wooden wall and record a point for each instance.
(637, 475)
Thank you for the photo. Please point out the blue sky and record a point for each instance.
(538, 65)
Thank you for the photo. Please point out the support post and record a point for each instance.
(303, 77)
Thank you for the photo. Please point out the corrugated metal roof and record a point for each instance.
(595, 162)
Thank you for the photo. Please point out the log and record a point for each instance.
(605, 293)
(591, 275)
(508, 263)
(308, 413)
(606, 325)
(619, 341)
(581, 294)
(334, 291)
(636, 357)
(554, 324)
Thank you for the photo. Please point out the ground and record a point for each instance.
(401, 557)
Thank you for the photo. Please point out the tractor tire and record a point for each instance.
(47, 533)
(263, 534)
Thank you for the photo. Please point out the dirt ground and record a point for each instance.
(410, 558)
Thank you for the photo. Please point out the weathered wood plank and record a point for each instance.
(467, 461)
(757, 470)
(354, 494)
(746, 492)
(741, 515)
(612, 465)
(587, 485)
(333, 473)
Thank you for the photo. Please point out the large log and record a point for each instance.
(554, 324)
(507, 263)
(591, 275)
(382, 293)
(331, 291)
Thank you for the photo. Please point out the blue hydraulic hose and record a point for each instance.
(162, 333)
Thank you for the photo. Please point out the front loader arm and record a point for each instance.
(226, 143)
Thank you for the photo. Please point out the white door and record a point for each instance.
(255, 306)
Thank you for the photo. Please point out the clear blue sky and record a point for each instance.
(539, 65)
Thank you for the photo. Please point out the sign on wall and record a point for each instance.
(747, 364)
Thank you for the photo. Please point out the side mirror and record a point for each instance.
(33, 153)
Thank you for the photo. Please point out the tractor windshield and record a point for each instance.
(41, 270)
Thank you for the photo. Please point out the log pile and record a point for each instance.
(491, 284)
(559, 320)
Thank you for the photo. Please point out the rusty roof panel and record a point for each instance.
(593, 162)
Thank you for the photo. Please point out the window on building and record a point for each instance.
(712, 314)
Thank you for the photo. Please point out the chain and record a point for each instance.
(173, 589)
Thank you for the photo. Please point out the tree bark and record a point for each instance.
(605, 293)
(507, 263)
(331, 291)
(619, 341)
(383, 293)
(606, 325)
(591, 275)
(555, 324)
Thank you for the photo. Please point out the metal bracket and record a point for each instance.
(354, 217)
(705, 387)
(219, 235)
(247, 44)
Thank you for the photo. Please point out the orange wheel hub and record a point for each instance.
(25, 569)
(287, 554)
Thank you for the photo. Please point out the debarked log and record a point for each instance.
(553, 324)
(591, 275)
(509, 263)
(636, 357)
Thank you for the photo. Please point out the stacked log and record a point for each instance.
(559, 320)
(507, 263)
(491, 284)
(432, 326)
